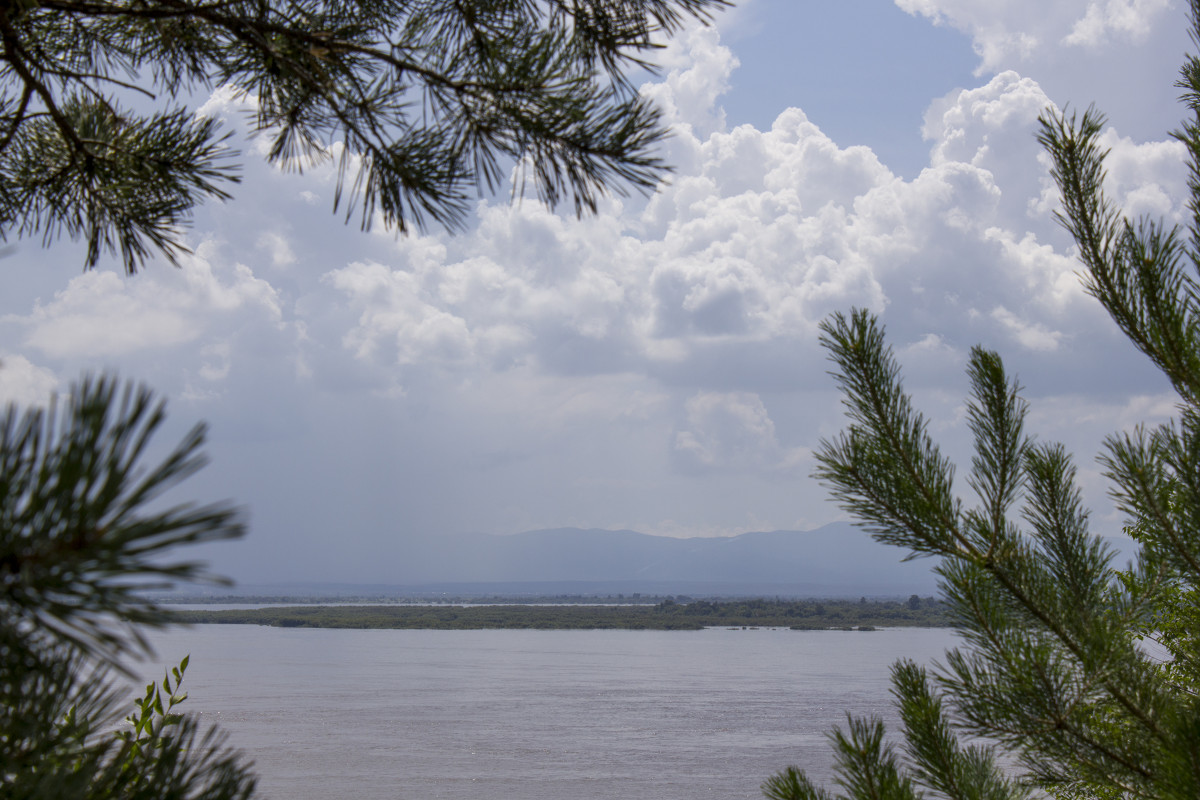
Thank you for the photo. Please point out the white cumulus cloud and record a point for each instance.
(1129, 18)
(643, 365)
(732, 431)
(1007, 32)
(24, 383)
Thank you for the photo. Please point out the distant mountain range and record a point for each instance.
(837, 560)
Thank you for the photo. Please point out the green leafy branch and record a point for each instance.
(151, 719)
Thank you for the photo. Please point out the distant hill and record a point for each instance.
(837, 560)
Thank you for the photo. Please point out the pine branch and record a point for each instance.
(427, 99)
(77, 546)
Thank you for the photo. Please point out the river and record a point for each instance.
(534, 715)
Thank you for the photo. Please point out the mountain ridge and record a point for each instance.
(834, 560)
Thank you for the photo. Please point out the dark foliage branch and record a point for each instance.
(85, 531)
(430, 100)
(81, 534)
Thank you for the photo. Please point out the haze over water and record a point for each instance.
(535, 715)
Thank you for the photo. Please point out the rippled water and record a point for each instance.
(535, 715)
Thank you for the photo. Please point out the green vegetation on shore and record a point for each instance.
(667, 615)
(419, 598)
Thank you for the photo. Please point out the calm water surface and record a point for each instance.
(535, 715)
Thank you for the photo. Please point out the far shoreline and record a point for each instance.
(669, 614)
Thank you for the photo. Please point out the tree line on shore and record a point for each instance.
(669, 614)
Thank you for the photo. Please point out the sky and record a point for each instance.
(656, 366)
